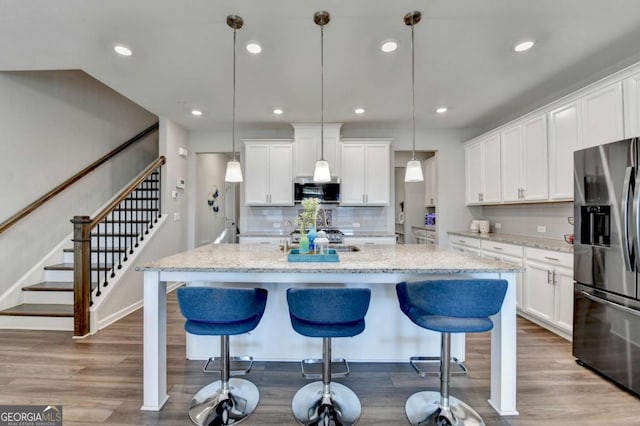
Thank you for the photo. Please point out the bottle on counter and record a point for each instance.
(303, 247)
(311, 235)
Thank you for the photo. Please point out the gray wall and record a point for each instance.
(53, 124)
(524, 219)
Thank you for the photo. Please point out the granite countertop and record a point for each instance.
(347, 233)
(384, 258)
(521, 240)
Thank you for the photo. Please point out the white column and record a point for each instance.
(503, 354)
(155, 342)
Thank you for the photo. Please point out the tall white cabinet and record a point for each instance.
(268, 173)
(483, 170)
(430, 182)
(564, 139)
(365, 172)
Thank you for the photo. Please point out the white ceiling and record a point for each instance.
(183, 55)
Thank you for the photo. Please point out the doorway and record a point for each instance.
(216, 211)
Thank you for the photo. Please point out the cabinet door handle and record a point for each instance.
(554, 278)
(498, 248)
(548, 277)
(523, 193)
(555, 259)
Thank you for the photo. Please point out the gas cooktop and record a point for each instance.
(335, 236)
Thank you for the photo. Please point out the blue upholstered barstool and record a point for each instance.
(222, 312)
(327, 313)
(448, 306)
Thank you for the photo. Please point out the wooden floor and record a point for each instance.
(99, 380)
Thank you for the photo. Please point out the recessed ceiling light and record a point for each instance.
(196, 112)
(122, 50)
(389, 46)
(359, 111)
(524, 45)
(254, 48)
(278, 111)
(441, 110)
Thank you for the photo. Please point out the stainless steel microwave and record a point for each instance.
(305, 187)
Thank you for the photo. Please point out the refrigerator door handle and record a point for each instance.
(608, 303)
(628, 261)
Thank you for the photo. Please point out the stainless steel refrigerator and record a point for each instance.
(606, 320)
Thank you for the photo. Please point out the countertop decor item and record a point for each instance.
(413, 173)
(484, 226)
(322, 172)
(234, 172)
(474, 226)
(296, 256)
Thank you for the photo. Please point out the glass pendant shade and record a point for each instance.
(322, 173)
(234, 172)
(413, 173)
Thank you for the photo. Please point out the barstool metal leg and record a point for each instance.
(325, 402)
(428, 408)
(226, 401)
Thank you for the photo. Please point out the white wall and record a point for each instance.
(452, 213)
(52, 125)
(172, 138)
(210, 171)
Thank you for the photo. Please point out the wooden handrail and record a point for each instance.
(73, 179)
(128, 190)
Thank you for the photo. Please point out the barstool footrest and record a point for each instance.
(317, 374)
(421, 364)
(238, 365)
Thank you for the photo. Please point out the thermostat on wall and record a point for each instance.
(180, 183)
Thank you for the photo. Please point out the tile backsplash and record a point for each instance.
(525, 219)
(274, 219)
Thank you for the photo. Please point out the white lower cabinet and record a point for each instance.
(365, 241)
(544, 290)
(548, 290)
(508, 253)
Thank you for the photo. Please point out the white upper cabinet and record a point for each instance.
(564, 139)
(632, 106)
(365, 173)
(602, 120)
(307, 148)
(430, 182)
(524, 161)
(268, 173)
(482, 165)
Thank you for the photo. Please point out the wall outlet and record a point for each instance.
(497, 225)
(542, 228)
(356, 224)
(176, 217)
(276, 224)
(174, 194)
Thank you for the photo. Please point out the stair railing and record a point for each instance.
(111, 236)
(73, 179)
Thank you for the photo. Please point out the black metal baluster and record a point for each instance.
(104, 253)
(139, 216)
(119, 236)
(124, 237)
(129, 220)
(145, 206)
(113, 245)
(98, 292)
(158, 197)
(151, 201)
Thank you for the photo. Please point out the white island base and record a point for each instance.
(389, 335)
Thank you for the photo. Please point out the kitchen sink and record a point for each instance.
(340, 248)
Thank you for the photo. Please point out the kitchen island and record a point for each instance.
(389, 335)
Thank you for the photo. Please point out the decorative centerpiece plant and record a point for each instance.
(307, 219)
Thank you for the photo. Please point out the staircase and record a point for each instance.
(49, 304)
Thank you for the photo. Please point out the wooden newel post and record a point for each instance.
(81, 275)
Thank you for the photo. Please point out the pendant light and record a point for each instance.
(321, 172)
(234, 172)
(413, 172)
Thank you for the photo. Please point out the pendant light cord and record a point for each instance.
(413, 96)
(322, 92)
(233, 121)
